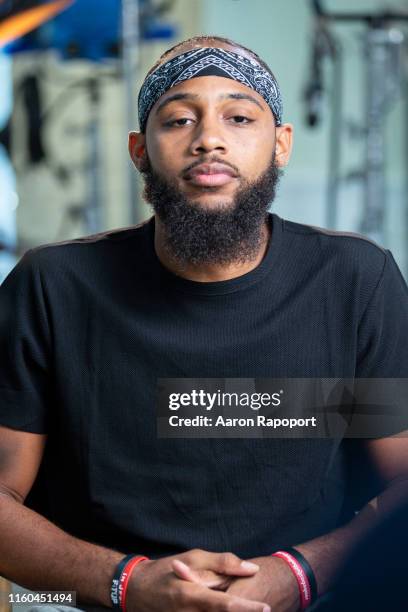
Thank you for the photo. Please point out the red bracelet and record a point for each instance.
(301, 578)
(124, 579)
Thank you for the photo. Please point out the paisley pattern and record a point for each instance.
(209, 61)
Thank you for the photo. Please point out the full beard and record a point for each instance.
(230, 232)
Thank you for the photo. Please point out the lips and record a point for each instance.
(210, 175)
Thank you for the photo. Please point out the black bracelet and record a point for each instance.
(306, 568)
(116, 580)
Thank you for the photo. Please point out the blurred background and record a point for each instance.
(70, 72)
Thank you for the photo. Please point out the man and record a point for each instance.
(211, 287)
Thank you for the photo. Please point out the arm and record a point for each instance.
(38, 555)
(34, 552)
(275, 583)
(327, 554)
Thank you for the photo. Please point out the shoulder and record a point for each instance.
(347, 265)
(86, 249)
(354, 251)
(93, 241)
(336, 239)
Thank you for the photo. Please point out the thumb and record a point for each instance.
(206, 578)
(231, 565)
(221, 568)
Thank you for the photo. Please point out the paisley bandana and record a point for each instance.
(209, 61)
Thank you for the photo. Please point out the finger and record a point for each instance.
(183, 571)
(216, 601)
(245, 605)
(205, 578)
(225, 563)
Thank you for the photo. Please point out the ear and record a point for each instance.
(137, 147)
(283, 144)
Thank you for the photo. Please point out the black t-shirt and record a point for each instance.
(87, 327)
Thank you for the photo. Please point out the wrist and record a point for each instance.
(121, 578)
(104, 568)
(302, 573)
(284, 582)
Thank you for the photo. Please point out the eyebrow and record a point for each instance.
(242, 96)
(190, 96)
(176, 96)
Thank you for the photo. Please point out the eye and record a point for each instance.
(178, 122)
(241, 119)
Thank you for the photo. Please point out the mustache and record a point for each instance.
(209, 160)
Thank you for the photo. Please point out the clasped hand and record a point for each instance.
(198, 581)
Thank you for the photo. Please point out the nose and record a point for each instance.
(208, 137)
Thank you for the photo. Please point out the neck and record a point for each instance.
(206, 273)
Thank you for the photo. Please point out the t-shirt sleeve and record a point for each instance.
(383, 328)
(382, 362)
(24, 349)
